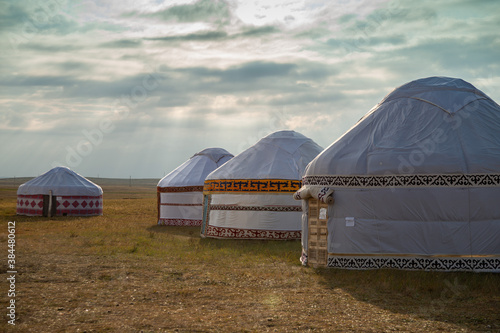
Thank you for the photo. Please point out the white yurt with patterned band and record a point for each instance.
(180, 193)
(59, 192)
(413, 185)
(250, 196)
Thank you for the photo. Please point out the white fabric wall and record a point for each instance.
(195, 197)
(415, 221)
(257, 220)
(257, 200)
(181, 212)
(179, 205)
(251, 219)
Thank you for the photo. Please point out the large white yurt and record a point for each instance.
(414, 184)
(59, 192)
(180, 193)
(251, 195)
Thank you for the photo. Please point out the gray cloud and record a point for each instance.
(245, 78)
(254, 71)
(49, 48)
(122, 43)
(258, 31)
(231, 82)
(12, 15)
(450, 56)
(45, 80)
(364, 43)
(197, 36)
(219, 35)
(200, 11)
(67, 66)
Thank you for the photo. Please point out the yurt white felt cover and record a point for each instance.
(180, 193)
(72, 195)
(415, 183)
(251, 195)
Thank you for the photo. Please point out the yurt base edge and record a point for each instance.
(475, 264)
(223, 232)
(180, 222)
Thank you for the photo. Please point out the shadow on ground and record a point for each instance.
(470, 300)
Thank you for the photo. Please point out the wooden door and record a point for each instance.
(317, 243)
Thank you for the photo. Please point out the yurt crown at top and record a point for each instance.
(279, 155)
(215, 154)
(434, 125)
(448, 94)
(63, 181)
(286, 140)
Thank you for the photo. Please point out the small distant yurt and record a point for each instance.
(180, 193)
(413, 185)
(59, 192)
(251, 195)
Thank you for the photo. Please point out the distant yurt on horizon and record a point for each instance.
(180, 193)
(59, 192)
(250, 197)
(413, 185)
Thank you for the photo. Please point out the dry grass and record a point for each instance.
(122, 273)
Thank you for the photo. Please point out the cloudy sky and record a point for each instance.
(134, 88)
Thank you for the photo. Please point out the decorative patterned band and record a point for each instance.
(441, 180)
(179, 204)
(416, 263)
(179, 189)
(180, 222)
(222, 232)
(251, 185)
(258, 208)
(40, 196)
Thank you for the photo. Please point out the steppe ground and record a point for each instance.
(120, 272)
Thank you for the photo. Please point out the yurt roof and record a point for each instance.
(61, 181)
(280, 155)
(194, 171)
(435, 125)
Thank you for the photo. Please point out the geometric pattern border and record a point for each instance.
(79, 205)
(180, 222)
(179, 204)
(258, 208)
(179, 189)
(251, 185)
(431, 180)
(478, 264)
(223, 232)
(32, 205)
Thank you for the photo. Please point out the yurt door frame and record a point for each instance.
(49, 205)
(317, 240)
(206, 203)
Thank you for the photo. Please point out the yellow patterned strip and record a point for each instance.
(251, 185)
